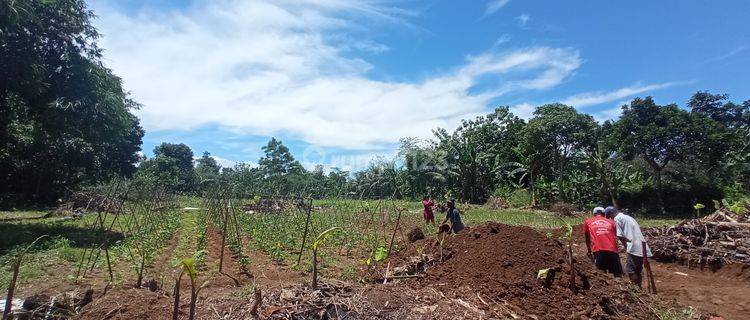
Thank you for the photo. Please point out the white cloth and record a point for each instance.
(628, 228)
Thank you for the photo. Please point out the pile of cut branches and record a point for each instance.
(715, 240)
(90, 201)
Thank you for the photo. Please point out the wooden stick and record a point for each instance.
(393, 237)
(647, 266)
(304, 237)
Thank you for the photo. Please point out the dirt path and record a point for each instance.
(726, 292)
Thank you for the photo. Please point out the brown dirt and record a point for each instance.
(494, 268)
(725, 292)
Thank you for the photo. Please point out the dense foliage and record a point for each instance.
(64, 118)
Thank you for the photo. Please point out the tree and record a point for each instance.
(662, 135)
(556, 135)
(279, 170)
(206, 167)
(64, 118)
(172, 164)
(278, 161)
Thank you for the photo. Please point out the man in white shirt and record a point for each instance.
(629, 233)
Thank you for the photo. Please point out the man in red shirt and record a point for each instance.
(601, 235)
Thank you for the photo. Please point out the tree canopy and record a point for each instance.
(65, 119)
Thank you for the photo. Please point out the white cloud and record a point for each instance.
(523, 110)
(731, 53)
(503, 39)
(495, 5)
(523, 19)
(595, 98)
(224, 163)
(610, 113)
(289, 67)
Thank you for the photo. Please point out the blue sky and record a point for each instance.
(341, 81)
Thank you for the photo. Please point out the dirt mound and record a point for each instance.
(129, 303)
(564, 209)
(415, 234)
(497, 265)
(719, 239)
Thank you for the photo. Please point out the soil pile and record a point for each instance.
(713, 241)
(415, 234)
(497, 265)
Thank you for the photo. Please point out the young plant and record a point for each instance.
(568, 238)
(12, 285)
(319, 241)
(188, 267)
(698, 208)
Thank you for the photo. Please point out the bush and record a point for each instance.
(513, 198)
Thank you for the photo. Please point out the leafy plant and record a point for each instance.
(319, 241)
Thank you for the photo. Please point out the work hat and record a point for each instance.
(610, 211)
(598, 210)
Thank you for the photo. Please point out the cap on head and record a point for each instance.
(598, 210)
(452, 202)
(610, 211)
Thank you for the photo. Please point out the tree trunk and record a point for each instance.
(659, 193)
(532, 186)
(315, 269)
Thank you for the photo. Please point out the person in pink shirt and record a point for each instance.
(429, 215)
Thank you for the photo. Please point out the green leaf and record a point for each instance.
(381, 253)
(542, 274)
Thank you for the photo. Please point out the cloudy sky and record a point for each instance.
(340, 82)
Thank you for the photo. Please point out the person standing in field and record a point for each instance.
(454, 216)
(601, 242)
(629, 233)
(429, 215)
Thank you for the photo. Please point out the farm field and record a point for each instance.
(261, 249)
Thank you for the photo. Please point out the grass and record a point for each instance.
(21, 214)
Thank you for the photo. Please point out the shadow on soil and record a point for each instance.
(15, 234)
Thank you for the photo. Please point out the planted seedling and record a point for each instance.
(698, 208)
(319, 241)
(16, 270)
(188, 267)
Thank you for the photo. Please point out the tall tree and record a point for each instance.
(278, 161)
(475, 149)
(280, 171)
(206, 167)
(662, 135)
(173, 164)
(558, 134)
(64, 118)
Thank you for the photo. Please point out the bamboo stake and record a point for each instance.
(647, 266)
(393, 236)
(304, 237)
